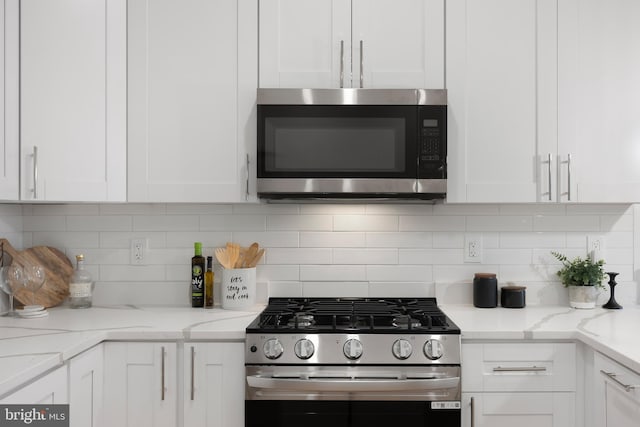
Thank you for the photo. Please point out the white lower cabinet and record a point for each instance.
(616, 394)
(143, 382)
(47, 390)
(86, 374)
(523, 384)
(213, 385)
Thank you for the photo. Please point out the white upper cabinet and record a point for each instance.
(599, 99)
(73, 100)
(9, 93)
(501, 73)
(352, 43)
(192, 88)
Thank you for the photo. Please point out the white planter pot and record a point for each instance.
(583, 296)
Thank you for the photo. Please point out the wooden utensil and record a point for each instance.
(222, 257)
(250, 254)
(256, 258)
(58, 270)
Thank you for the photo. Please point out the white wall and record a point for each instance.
(333, 250)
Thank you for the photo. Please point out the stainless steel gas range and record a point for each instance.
(352, 362)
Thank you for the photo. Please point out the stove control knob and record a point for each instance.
(433, 349)
(402, 349)
(304, 349)
(272, 348)
(352, 349)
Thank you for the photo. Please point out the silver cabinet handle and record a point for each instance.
(520, 369)
(473, 412)
(35, 171)
(569, 177)
(193, 385)
(162, 369)
(612, 376)
(341, 64)
(361, 64)
(550, 161)
(246, 193)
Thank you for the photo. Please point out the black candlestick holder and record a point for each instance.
(612, 304)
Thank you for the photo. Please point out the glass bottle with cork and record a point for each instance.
(197, 276)
(81, 286)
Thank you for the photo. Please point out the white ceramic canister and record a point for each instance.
(238, 288)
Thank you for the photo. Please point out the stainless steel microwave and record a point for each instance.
(352, 144)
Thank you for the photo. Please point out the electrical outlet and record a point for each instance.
(473, 248)
(596, 247)
(139, 251)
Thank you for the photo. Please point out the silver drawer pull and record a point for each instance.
(520, 369)
(612, 376)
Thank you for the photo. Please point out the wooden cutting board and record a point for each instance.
(58, 270)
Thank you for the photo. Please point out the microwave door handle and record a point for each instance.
(361, 64)
(351, 385)
(341, 64)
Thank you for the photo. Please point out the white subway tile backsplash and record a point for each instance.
(209, 239)
(299, 222)
(99, 223)
(44, 223)
(432, 223)
(333, 249)
(298, 256)
(117, 239)
(500, 223)
(335, 289)
(267, 239)
(399, 240)
(63, 239)
(567, 223)
(365, 256)
(365, 223)
(399, 273)
(332, 273)
(232, 222)
(327, 239)
(165, 222)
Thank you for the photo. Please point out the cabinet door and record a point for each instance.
(408, 53)
(140, 384)
(305, 43)
(9, 93)
(214, 385)
(599, 99)
(86, 372)
(518, 409)
(50, 389)
(501, 74)
(73, 100)
(192, 88)
(614, 404)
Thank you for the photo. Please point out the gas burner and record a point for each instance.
(406, 322)
(301, 320)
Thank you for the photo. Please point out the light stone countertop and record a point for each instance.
(31, 347)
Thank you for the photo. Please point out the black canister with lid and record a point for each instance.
(485, 290)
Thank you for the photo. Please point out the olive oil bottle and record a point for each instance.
(197, 277)
(208, 284)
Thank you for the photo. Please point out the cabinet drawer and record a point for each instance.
(519, 367)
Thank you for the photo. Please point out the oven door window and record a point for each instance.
(276, 413)
(346, 141)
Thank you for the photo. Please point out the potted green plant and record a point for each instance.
(583, 277)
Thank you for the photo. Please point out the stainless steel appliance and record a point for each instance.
(352, 143)
(352, 362)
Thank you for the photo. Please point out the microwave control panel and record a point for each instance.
(432, 155)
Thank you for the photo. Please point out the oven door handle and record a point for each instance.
(351, 385)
